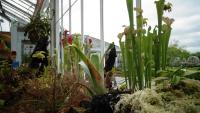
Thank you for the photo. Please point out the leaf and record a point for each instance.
(95, 75)
(86, 70)
(39, 54)
(129, 4)
(95, 60)
(175, 80)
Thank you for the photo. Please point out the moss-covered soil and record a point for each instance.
(183, 97)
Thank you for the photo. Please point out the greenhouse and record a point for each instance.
(98, 56)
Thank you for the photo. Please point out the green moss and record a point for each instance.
(160, 80)
(140, 102)
(183, 106)
(197, 95)
(151, 97)
(163, 87)
(190, 86)
(178, 93)
(195, 76)
(190, 109)
(163, 99)
(167, 96)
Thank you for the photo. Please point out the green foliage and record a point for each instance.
(176, 52)
(39, 54)
(71, 58)
(122, 47)
(76, 62)
(122, 87)
(95, 59)
(38, 31)
(94, 87)
(137, 51)
(175, 76)
(162, 38)
(195, 75)
(196, 54)
(25, 72)
(166, 28)
(148, 58)
(175, 80)
(157, 40)
(39, 27)
(5, 68)
(94, 73)
(141, 46)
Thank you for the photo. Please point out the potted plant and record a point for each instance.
(38, 31)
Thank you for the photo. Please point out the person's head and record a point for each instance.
(13, 55)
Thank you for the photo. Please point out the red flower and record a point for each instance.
(69, 39)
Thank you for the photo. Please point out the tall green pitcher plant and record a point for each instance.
(135, 62)
(162, 39)
(139, 44)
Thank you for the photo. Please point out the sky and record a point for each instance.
(185, 29)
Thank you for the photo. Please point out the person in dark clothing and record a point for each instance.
(110, 60)
(109, 64)
(39, 63)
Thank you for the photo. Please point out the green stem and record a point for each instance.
(158, 43)
(139, 50)
(128, 45)
(123, 60)
(166, 36)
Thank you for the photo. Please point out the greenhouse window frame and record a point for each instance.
(15, 7)
(18, 10)
(8, 9)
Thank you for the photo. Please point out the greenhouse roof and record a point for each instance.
(21, 10)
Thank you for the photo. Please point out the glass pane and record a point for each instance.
(21, 8)
(33, 1)
(16, 13)
(20, 5)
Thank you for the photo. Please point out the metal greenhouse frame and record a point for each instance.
(23, 10)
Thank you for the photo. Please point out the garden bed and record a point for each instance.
(163, 98)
